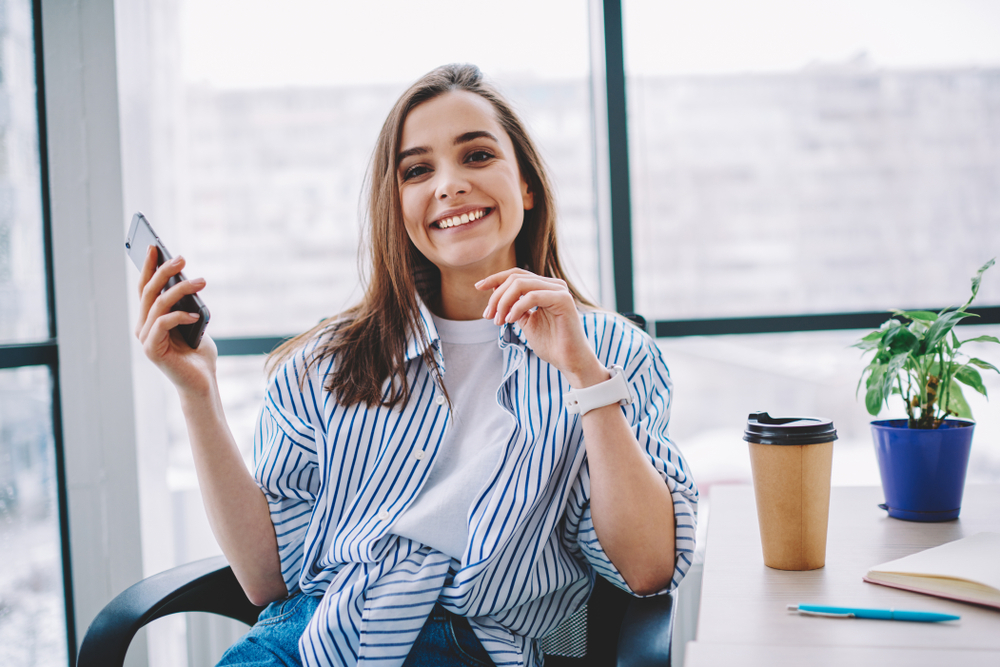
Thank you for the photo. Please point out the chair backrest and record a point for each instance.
(589, 638)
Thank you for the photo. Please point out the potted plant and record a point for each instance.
(923, 459)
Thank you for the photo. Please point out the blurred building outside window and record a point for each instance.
(843, 159)
(32, 604)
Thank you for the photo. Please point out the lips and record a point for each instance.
(461, 219)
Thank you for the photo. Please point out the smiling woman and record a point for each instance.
(463, 197)
(274, 116)
(477, 501)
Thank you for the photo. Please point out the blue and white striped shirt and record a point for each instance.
(336, 477)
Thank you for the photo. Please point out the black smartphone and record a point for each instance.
(140, 237)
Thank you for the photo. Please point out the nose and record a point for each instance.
(451, 183)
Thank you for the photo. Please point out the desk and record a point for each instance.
(743, 618)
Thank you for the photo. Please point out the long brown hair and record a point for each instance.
(370, 337)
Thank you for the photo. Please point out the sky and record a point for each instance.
(311, 42)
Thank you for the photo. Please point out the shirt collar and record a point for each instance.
(509, 334)
(416, 344)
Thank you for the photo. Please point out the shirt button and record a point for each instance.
(383, 515)
(439, 399)
(419, 454)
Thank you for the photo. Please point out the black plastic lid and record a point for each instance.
(767, 430)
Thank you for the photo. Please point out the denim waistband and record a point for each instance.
(439, 613)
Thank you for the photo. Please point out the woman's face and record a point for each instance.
(462, 195)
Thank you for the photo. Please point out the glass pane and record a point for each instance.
(273, 142)
(32, 606)
(719, 380)
(812, 157)
(265, 123)
(23, 303)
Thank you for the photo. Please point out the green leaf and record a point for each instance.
(985, 365)
(873, 400)
(875, 394)
(891, 372)
(900, 340)
(970, 376)
(877, 370)
(980, 339)
(956, 402)
(939, 330)
(870, 341)
(977, 279)
(925, 315)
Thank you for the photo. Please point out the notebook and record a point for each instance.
(966, 570)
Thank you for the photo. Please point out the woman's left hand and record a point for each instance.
(545, 310)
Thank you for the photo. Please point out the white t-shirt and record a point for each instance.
(439, 516)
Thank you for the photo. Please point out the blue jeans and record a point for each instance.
(273, 641)
(446, 640)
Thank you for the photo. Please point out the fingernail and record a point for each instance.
(508, 320)
(496, 320)
(485, 312)
(193, 316)
(198, 281)
(481, 282)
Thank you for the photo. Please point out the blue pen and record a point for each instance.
(882, 614)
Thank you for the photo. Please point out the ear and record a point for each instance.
(527, 196)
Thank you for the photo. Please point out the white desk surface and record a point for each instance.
(743, 617)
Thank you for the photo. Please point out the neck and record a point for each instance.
(459, 299)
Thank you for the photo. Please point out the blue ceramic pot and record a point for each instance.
(923, 471)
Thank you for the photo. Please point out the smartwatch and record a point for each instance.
(614, 390)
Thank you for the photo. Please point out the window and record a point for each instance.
(259, 185)
(33, 599)
(842, 158)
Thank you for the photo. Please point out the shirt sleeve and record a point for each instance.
(649, 413)
(286, 468)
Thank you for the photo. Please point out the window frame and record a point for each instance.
(612, 184)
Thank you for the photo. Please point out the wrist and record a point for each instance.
(591, 374)
(199, 396)
(612, 391)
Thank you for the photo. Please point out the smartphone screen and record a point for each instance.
(140, 237)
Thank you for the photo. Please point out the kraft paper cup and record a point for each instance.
(791, 459)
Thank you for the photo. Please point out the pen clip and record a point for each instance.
(823, 614)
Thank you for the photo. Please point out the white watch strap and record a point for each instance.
(614, 390)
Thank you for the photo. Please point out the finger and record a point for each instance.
(158, 341)
(148, 267)
(515, 288)
(504, 286)
(493, 281)
(145, 275)
(164, 303)
(551, 301)
(154, 286)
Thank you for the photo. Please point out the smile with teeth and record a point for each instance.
(465, 218)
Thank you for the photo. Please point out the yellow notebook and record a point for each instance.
(966, 570)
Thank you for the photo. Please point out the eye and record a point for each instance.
(415, 171)
(479, 155)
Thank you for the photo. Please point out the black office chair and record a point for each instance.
(614, 629)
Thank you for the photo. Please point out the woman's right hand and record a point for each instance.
(188, 369)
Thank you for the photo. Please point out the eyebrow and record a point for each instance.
(460, 139)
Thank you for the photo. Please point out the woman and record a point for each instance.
(426, 489)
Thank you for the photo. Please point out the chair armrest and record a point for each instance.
(207, 585)
(646, 631)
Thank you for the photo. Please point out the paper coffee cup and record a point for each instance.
(791, 459)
